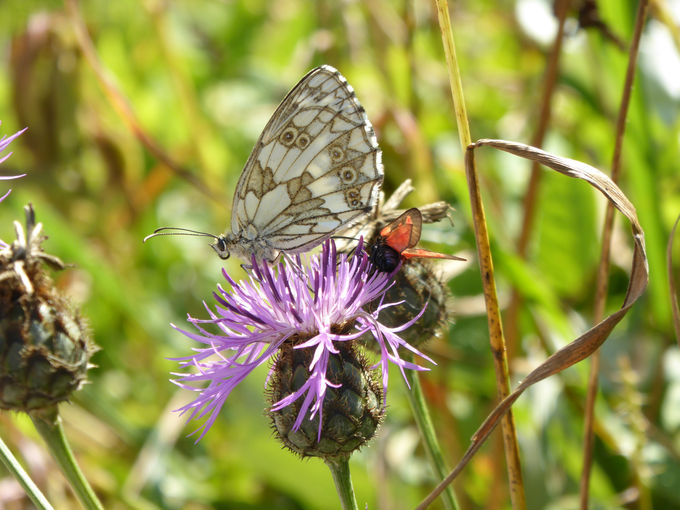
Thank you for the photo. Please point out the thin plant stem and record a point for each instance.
(14, 467)
(454, 74)
(497, 340)
(498, 346)
(601, 284)
(531, 195)
(48, 425)
(428, 435)
(580, 348)
(343, 482)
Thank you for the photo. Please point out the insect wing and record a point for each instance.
(315, 168)
(404, 232)
(426, 254)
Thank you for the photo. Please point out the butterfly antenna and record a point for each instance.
(178, 231)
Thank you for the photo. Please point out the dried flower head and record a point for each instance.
(45, 346)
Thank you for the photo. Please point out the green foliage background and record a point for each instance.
(202, 78)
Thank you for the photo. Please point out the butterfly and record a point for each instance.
(315, 168)
(397, 240)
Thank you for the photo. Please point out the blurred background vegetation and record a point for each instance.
(200, 79)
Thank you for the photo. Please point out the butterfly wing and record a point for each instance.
(315, 168)
(404, 232)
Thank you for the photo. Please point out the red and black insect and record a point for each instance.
(397, 240)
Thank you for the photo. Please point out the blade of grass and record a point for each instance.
(496, 338)
(601, 284)
(421, 414)
(14, 467)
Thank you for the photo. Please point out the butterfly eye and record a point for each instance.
(302, 141)
(348, 175)
(220, 247)
(288, 136)
(337, 154)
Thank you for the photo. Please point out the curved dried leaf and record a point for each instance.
(588, 342)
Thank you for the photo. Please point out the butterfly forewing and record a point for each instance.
(315, 168)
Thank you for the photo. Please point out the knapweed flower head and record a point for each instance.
(318, 303)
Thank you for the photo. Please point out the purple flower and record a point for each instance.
(4, 143)
(317, 301)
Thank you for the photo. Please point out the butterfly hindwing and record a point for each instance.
(315, 168)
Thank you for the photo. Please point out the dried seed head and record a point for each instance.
(45, 346)
(417, 287)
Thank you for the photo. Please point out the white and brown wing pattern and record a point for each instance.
(315, 168)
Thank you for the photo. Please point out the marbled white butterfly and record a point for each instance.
(315, 169)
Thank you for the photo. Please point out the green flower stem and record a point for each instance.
(49, 426)
(343, 482)
(13, 466)
(427, 434)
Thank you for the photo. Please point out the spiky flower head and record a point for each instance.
(417, 286)
(44, 344)
(318, 303)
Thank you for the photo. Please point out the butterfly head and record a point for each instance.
(221, 244)
(221, 247)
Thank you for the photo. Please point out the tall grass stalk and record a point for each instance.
(498, 346)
